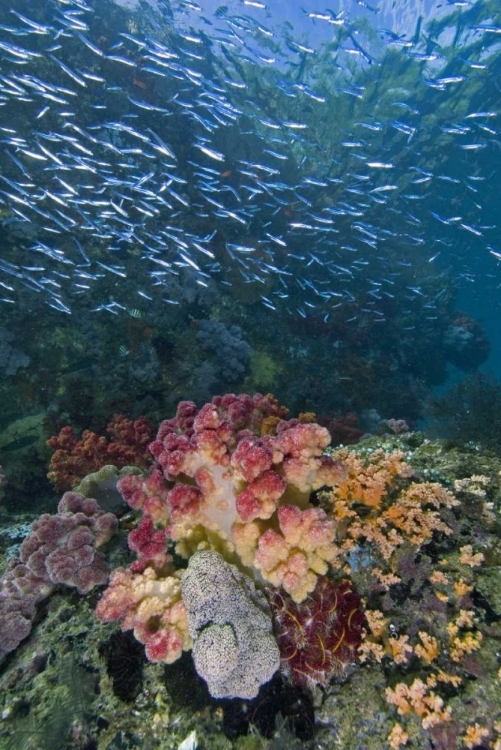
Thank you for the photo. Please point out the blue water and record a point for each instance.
(323, 181)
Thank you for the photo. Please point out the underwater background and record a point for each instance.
(198, 200)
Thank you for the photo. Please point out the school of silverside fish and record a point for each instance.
(143, 148)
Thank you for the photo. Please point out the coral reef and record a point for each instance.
(367, 511)
(469, 411)
(344, 430)
(102, 486)
(401, 540)
(24, 461)
(148, 603)
(125, 661)
(465, 342)
(11, 358)
(382, 587)
(2, 484)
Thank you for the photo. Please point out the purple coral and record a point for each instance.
(17, 607)
(232, 353)
(61, 549)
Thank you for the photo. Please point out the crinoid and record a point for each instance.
(320, 636)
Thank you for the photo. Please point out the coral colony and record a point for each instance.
(74, 457)
(219, 483)
(248, 542)
(61, 549)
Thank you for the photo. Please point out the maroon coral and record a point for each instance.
(76, 457)
(320, 636)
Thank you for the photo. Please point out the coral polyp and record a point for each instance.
(318, 637)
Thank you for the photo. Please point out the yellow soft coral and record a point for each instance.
(418, 698)
(428, 650)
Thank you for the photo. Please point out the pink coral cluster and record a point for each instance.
(224, 479)
(149, 604)
(61, 549)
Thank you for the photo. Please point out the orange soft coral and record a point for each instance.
(369, 477)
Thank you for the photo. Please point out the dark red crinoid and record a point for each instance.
(320, 636)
